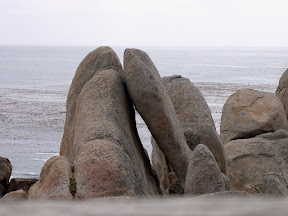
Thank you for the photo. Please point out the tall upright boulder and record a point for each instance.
(5, 173)
(282, 91)
(196, 122)
(248, 113)
(99, 59)
(153, 103)
(109, 157)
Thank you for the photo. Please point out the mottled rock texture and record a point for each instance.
(99, 59)
(250, 160)
(15, 196)
(275, 185)
(54, 181)
(153, 103)
(106, 142)
(203, 174)
(196, 123)
(282, 91)
(248, 113)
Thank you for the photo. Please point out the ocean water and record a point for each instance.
(34, 82)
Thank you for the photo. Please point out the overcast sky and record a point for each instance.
(144, 22)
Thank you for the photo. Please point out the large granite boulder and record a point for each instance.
(99, 59)
(196, 122)
(203, 175)
(250, 160)
(110, 159)
(153, 103)
(18, 195)
(248, 113)
(54, 181)
(282, 91)
(5, 173)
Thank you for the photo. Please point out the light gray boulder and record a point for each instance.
(248, 113)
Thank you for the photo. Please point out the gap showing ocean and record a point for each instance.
(34, 82)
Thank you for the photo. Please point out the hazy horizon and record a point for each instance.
(245, 23)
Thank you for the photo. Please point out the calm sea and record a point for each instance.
(34, 82)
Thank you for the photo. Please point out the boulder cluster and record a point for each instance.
(101, 154)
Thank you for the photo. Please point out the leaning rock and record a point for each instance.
(249, 160)
(195, 117)
(15, 196)
(21, 183)
(203, 174)
(196, 122)
(248, 113)
(275, 185)
(99, 59)
(282, 92)
(5, 173)
(54, 181)
(151, 100)
(110, 159)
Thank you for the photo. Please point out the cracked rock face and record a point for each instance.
(248, 113)
(251, 160)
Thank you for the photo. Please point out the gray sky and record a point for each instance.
(145, 22)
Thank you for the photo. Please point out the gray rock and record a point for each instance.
(196, 122)
(203, 174)
(249, 160)
(99, 59)
(15, 196)
(226, 195)
(248, 113)
(282, 92)
(275, 185)
(110, 159)
(54, 181)
(151, 100)
(5, 173)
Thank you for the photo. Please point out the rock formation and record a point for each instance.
(15, 196)
(275, 185)
(250, 160)
(282, 91)
(151, 100)
(106, 142)
(196, 122)
(5, 173)
(203, 175)
(248, 113)
(54, 181)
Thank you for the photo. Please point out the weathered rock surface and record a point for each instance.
(226, 194)
(282, 91)
(275, 185)
(21, 183)
(54, 181)
(110, 159)
(99, 59)
(203, 174)
(196, 122)
(5, 173)
(15, 196)
(248, 113)
(151, 100)
(249, 160)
